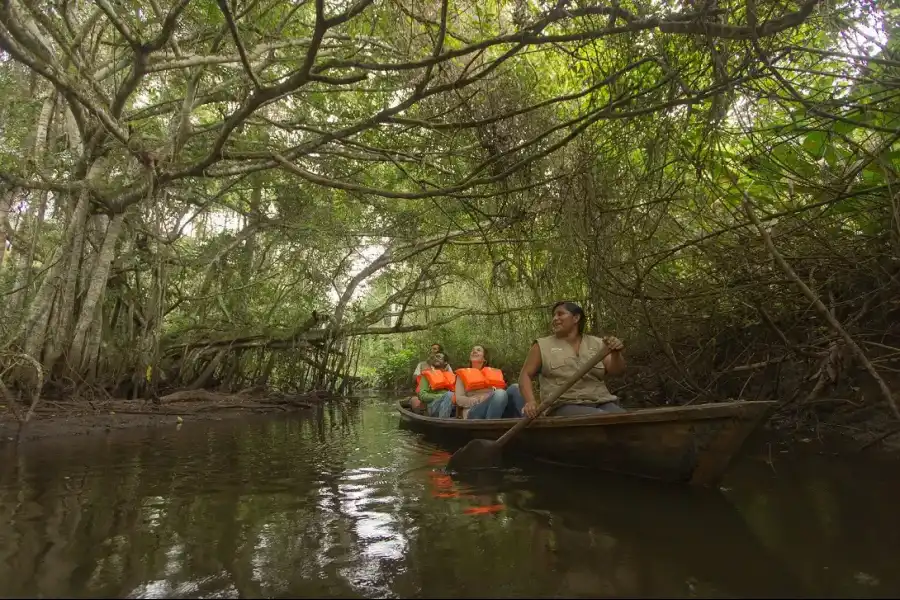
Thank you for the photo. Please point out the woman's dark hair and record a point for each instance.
(487, 356)
(574, 309)
(440, 348)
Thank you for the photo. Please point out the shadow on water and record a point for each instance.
(342, 503)
(617, 536)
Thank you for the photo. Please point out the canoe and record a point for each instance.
(692, 444)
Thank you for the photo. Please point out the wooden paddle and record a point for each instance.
(485, 454)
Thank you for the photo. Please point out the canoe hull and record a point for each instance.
(688, 444)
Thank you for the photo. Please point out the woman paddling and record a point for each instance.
(480, 389)
(556, 357)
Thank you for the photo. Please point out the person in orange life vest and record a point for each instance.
(436, 389)
(417, 374)
(480, 389)
(435, 348)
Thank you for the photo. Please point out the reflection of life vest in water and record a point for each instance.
(443, 487)
(480, 379)
(439, 380)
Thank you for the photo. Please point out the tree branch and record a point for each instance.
(678, 23)
(168, 27)
(119, 24)
(223, 6)
(823, 311)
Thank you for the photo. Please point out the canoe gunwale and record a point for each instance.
(743, 410)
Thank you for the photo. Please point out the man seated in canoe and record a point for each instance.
(435, 392)
(556, 357)
(480, 388)
(435, 348)
(417, 374)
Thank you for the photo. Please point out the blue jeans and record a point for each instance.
(517, 402)
(492, 408)
(442, 408)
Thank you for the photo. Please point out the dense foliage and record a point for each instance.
(229, 193)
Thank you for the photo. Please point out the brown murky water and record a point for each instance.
(344, 503)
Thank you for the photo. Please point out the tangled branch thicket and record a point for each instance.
(204, 194)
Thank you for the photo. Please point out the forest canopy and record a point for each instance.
(235, 192)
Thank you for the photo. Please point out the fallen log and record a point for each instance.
(201, 396)
(248, 405)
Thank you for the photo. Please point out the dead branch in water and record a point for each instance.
(878, 439)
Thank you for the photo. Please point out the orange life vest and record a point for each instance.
(440, 380)
(479, 379)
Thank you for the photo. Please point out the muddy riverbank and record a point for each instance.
(61, 419)
(73, 419)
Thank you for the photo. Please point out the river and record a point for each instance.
(344, 503)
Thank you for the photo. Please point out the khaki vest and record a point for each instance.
(559, 362)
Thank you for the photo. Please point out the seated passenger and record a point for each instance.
(557, 357)
(417, 374)
(480, 389)
(435, 393)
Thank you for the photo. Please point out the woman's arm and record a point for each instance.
(614, 363)
(530, 370)
(426, 395)
(461, 398)
(469, 400)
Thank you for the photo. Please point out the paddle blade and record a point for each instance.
(477, 454)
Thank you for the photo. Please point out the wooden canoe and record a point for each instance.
(684, 444)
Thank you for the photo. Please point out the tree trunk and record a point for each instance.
(95, 233)
(207, 373)
(338, 368)
(96, 285)
(263, 379)
(6, 202)
(40, 142)
(34, 326)
(42, 127)
(93, 344)
(24, 272)
(147, 344)
(65, 306)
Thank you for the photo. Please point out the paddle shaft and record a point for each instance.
(553, 399)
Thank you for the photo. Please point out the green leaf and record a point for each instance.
(843, 127)
(872, 175)
(791, 158)
(815, 143)
(761, 191)
(831, 156)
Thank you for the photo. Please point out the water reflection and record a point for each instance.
(344, 504)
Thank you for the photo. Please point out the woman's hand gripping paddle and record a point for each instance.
(485, 454)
